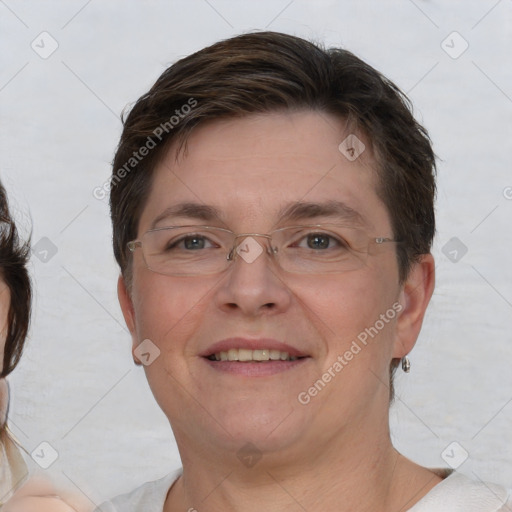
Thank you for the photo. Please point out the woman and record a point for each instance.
(276, 266)
(37, 495)
(15, 300)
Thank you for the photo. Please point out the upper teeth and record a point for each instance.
(245, 354)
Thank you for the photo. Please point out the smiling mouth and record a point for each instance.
(244, 355)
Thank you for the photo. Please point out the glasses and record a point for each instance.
(204, 250)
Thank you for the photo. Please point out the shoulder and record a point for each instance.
(149, 497)
(457, 492)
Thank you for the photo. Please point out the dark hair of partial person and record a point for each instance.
(264, 72)
(13, 268)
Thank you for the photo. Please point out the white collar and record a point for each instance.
(457, 493)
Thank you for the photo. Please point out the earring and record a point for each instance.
(406, 364)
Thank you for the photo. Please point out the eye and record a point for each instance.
(321, 241)
(191, 242)
(318, 241)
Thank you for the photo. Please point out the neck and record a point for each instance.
(362, 475)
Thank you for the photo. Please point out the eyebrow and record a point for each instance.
(296, 211)
(190, 210)
(301, 210)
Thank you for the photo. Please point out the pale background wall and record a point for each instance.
(77, 387)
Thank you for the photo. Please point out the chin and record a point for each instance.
(267, 428)
(234, 426)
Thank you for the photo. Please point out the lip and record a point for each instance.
(247, 369)
(252, 344)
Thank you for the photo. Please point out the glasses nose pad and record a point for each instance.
(250, 249)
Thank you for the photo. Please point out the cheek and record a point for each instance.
(357, 342)
(348, 306)
(169, 309)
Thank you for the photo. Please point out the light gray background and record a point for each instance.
(77, 388)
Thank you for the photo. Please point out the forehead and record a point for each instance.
(252, 170)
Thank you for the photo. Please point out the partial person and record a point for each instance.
(18, 492)
(272, 205)
(15, 303)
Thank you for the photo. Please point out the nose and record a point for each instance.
(253, 285)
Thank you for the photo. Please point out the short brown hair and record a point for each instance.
(266, 72)
(13, 270)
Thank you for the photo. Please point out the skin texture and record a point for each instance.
(334, 453)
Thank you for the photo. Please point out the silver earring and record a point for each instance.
(406, 364)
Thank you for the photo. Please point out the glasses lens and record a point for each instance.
(200, 250)
(187, 250)
(321, 249)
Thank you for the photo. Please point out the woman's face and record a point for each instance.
(249, 170)
(5, 301)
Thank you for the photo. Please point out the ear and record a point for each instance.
(126, 303)
(414, 298)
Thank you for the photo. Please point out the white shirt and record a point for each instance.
(456, 493)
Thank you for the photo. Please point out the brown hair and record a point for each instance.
(267, 72)
(13, 268)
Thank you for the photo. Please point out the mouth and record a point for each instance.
(245, 355)
(253, 358)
